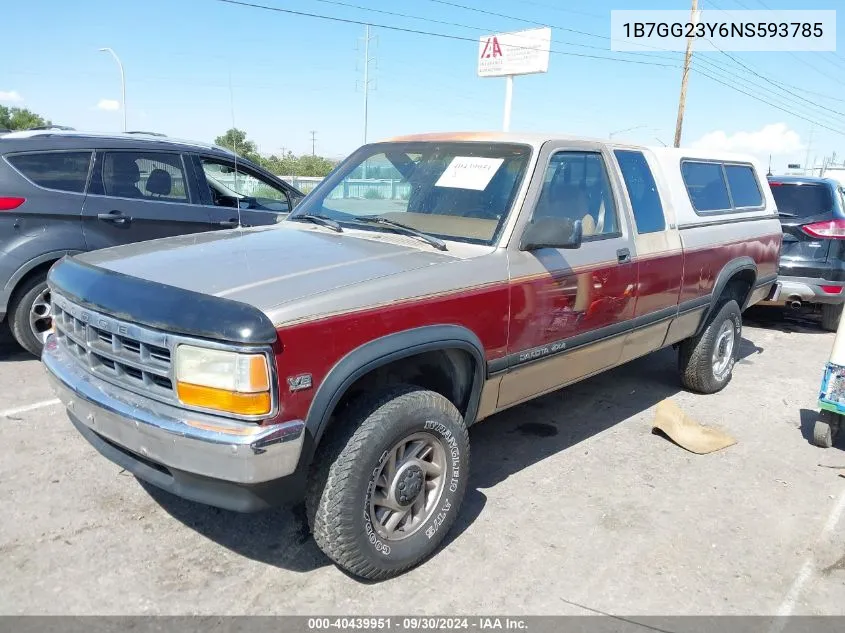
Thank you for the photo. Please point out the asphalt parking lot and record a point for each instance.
(574, 507)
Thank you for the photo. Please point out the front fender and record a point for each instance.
(387, 349)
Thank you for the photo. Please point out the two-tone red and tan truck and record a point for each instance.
(429, 282)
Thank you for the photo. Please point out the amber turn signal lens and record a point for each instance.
(222, 400)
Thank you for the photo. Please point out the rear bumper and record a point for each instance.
(809, 290)
(231, 465)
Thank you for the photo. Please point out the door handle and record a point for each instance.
(623, 255)
(115, 217)
(227, 223)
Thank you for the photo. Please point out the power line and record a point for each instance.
(757, 98)
(430, 33)
(748, 69)
(554, 8)
(790, 53)
(457, 24)
(474, 41)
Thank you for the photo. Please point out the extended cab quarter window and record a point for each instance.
(721, 187)
(706, 186)
(142, 175)
(234, 186)
(576, 187)
(65, 171)
(742, 182)
(642, 191)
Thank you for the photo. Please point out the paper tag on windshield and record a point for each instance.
(469, 172)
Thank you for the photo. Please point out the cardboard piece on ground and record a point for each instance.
(686, 432)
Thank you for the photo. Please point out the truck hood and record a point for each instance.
(267, 267)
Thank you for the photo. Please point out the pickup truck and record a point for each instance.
(429, 282)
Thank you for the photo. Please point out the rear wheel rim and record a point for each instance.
(41, 315)
(409, 482)
(724, 349)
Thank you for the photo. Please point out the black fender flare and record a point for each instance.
(722, 279)
(373, 354)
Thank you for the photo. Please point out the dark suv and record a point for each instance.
(68, 192)
(812, 262)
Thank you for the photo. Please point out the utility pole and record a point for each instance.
(807, 156)
(313, 142)
(687, 60)
(367, 83)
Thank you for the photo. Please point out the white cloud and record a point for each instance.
(108, 104)
(775, 139)
(12, 96)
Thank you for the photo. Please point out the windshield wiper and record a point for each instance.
(784, 214)
(322, 220)
(436, 242)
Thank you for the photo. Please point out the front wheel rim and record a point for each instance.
(409, 482)
(41, 315)
(724, 349)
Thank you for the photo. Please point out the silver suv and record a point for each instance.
(67, 192)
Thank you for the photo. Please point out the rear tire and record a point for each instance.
(831, 313)
(29, 313)
(706, 361)
(375, 505)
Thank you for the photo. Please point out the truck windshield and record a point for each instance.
(459, 191)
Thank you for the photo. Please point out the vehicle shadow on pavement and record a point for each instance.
(783, 320)
(515, 439)
(502, 445)
(278, 537)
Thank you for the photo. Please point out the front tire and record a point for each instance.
(30, 314)
(388, 484)
(706, 361)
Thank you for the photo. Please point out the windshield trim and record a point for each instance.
(346, 166)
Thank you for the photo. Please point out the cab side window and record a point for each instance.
(642, 191)
(142, 176)
(233, 186)
(576, 187)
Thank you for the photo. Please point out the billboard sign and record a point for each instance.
(518, 53)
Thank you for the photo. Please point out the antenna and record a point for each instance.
(235, 143)
(770, 165)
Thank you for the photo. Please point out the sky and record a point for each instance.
(195, 68)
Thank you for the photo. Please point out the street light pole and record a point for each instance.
(122, 83)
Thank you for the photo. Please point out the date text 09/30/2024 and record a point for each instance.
(419, 623)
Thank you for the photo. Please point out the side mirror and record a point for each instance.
(552, 233)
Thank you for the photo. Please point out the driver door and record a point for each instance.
(224, 186)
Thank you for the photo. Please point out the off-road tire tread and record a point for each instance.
(694, 353)
(329, 521)
(19, 319)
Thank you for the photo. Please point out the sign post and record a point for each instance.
(509, 54)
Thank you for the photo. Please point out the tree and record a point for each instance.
(20, 119)
(314, 166)
(235, 140)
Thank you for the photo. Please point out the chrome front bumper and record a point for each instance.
(170, 437)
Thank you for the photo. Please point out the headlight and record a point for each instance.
(226, 381)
